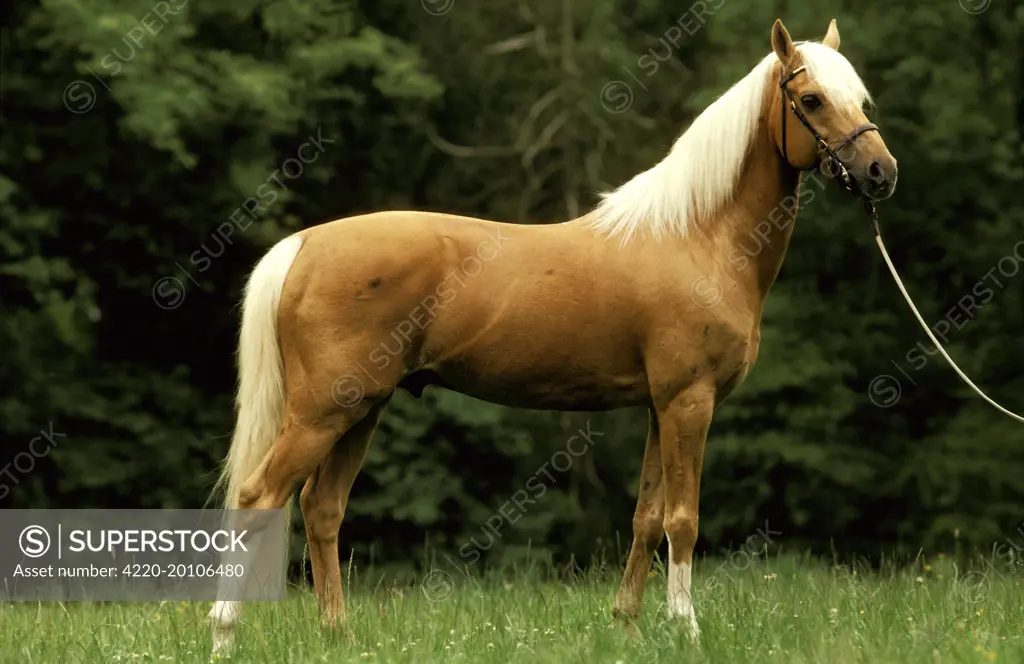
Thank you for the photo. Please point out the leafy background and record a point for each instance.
(495, 109)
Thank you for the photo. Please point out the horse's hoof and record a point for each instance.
(629, 622)
(689, 627)
(687, 622)
(337, 626)
(223, 640)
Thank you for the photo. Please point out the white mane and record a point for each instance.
(700, 172)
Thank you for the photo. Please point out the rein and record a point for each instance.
(838, 170)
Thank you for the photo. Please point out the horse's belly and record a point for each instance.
(550, 394)
(522, 377)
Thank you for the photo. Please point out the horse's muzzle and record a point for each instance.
(878, 181)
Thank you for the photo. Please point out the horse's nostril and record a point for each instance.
(875, 171)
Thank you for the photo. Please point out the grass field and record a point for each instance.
(780, 609)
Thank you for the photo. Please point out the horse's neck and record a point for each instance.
(749, 237)
(754, 231)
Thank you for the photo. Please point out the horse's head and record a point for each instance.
(819, 92)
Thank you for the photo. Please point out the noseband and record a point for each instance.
(832, 163)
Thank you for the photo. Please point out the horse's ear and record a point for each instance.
(782, 44)
(832, 36)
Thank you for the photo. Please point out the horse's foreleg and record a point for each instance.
(648, 529)
(323, 500)
(684, 424)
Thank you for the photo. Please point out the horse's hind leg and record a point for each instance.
(324, 499)
(296, 452)
(648, 529)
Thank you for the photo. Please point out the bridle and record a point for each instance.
(835, 168)
(831, 161)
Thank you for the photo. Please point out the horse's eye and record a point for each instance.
(810, 102)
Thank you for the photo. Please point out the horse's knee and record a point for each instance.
(648, 527)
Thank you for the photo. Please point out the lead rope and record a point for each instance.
(881, 246)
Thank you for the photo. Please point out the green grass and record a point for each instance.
(775, 610)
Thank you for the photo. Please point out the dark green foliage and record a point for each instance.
(495, 109)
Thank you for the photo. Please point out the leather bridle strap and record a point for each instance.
(869, 126)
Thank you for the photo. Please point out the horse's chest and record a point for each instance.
(708, 352)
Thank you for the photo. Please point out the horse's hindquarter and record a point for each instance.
(527, 316)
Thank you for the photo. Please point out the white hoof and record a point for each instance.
(687, 621)
(223, 640)
(222, 617)
(691, 629)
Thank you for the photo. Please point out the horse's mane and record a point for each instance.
(699, 174)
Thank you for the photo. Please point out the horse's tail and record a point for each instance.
(261, 392)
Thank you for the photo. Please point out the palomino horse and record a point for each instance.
(654, 298)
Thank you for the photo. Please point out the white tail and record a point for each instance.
(261, 391)
(260, 401)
